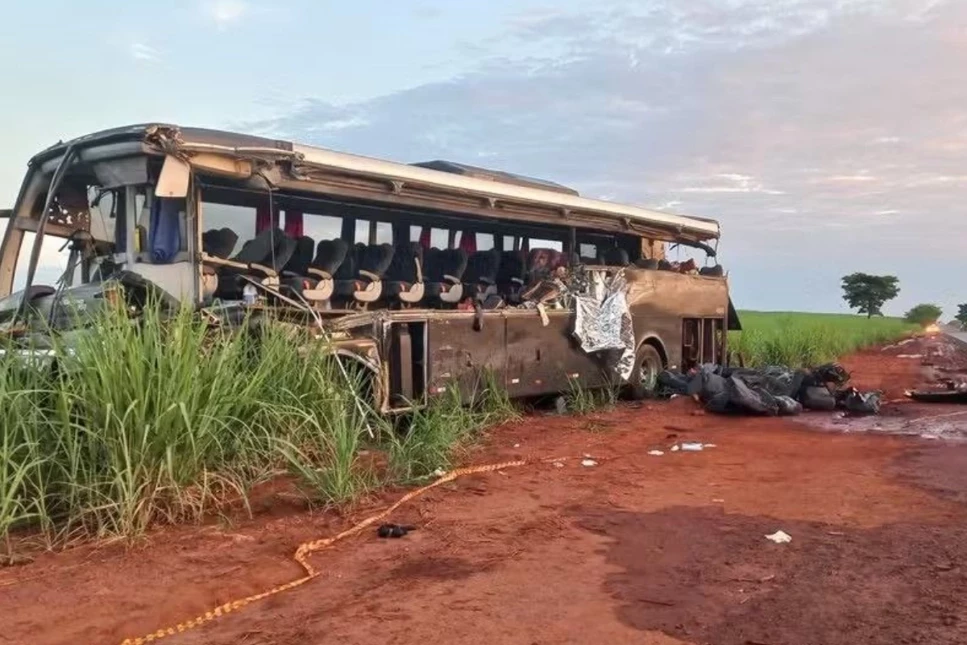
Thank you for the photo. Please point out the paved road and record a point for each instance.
(961, 336)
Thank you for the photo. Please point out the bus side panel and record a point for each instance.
(459, 356)
(660, 300)
(540, 359)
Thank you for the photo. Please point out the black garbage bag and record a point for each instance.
(788, 406)
(699, 380)
(774, 379)
(817, 398)
(856, 402)
(770, 390)
(716, 393)
(744, 398)
(672, 382)
(831, 373)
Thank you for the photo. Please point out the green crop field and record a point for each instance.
(802, 339)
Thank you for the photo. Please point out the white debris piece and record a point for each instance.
(780, 537)
(589, 463)
(692, 447)
(675, 448)
(558, 464)
(909, 356)
(710, 445)
(656, 453)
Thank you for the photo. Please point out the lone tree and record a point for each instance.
(961, 316)
(867, 293)
(924, 314)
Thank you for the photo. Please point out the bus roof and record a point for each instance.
(498, 189)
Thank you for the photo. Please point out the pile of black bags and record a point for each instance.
(770, 391)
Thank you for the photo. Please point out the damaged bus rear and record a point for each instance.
(428, 275)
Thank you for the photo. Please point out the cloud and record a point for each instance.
(669, 205)
(846, 178)
(795, 123)
(143, 52)
(224, 13)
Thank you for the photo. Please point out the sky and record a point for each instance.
(826, 136)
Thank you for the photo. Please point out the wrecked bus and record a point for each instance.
(425, 273)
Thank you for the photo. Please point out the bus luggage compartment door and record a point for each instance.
(461, 356)
(544, 360)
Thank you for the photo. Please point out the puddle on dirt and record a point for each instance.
(949, 423)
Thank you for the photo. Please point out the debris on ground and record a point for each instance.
(948, 396)
(856, 402)
(393, 530)
(589, 463)
(656, 453)
(692, 447)
(780, 537)
(770, 391)
(953, 392)
(560, 405)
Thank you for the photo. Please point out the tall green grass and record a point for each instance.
(803, 339)
(165, 420)
(431, 437)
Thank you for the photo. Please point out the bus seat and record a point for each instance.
(510, 276)
(404, 278)
(330, 255)
(370, 264)
(444, 273)
(298, 264)
(285, 248)
(219, 242)
(296, 276)
(316, 283)
(258, 258)
(615, 257)
(647, 263)
(714, 271)
(480, 277)
(664, 265)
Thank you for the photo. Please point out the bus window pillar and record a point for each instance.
(652, 249)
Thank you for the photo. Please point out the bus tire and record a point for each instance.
(644, 375)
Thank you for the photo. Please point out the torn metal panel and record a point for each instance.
(692, 295)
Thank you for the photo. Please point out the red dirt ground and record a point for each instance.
(637, 549)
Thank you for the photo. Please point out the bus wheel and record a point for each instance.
(644, 376)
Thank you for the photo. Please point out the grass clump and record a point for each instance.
(803, 339)
(583, 400)
(429, 438)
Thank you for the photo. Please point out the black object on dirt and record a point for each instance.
(856, 402)
(948, 396)
(393, 530)
(770, 391)
(816, 397)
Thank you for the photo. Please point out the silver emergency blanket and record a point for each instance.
(602, 321)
